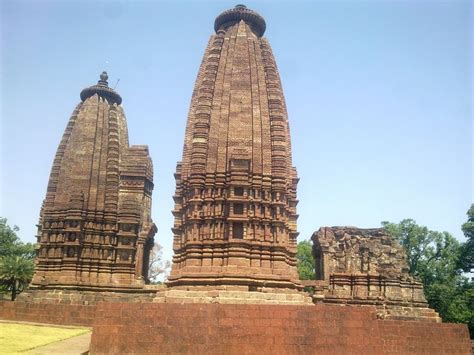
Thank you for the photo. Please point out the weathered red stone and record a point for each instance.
(95, 229)
(235, 212)
(235, 227)
(367, 267)
(120, 328)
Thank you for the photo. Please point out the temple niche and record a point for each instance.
(357, 266)
(95, 230)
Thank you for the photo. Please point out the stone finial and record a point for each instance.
(103, 79)
(241, 13)
(103, 90)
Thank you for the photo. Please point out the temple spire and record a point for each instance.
(95, 230)
(235, 212)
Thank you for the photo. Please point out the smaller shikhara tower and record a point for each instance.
(235, 201)
(95, 230)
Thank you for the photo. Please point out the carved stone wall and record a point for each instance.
(359, 251)
(95, 228)
(235, 201)
(367, 267)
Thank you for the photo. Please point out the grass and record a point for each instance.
(17, 338)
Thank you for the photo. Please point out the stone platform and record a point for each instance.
(232, 296)
(141, 328)
(266, 329)
(162, 294)
(356, 290)
(74, 296)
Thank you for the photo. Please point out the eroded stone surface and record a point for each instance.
(367, 267)
(360, 251)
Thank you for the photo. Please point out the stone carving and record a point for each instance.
(98, 185)
(235, 201)
(367, 267)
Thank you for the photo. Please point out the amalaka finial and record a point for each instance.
(102, 89)
(238, 13)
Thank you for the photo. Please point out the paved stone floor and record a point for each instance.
(77, 345)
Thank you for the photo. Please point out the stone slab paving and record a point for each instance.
(77, 345)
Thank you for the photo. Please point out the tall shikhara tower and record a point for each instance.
(95, 229)
(235, 212)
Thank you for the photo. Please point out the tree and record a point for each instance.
(434, 258)
(305, 260)
(11, 245)
(467, 253)
(16, 260)
(157, 266)
(430, 255)
(15, 274)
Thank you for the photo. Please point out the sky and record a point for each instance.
(379, 97)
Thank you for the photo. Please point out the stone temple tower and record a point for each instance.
(95, 230)
(235, 201)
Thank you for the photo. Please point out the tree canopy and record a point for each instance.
(467, 253)
(16, 260)
(11, 245)
(15, 274)
(305, 260)
(431, 255)
(435, 258)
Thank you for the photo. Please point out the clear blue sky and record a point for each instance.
(379, 95)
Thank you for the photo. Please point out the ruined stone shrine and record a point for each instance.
(95, 230)
(235, 201)
(357, 266)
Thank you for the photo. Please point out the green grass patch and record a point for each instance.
(17, 338)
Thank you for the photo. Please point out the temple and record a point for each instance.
(95, 230)
(234, 234)
(235, 201)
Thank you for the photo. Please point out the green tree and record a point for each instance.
(15, 274)
(305, 260)
(16, 260)
(467, 253)
(11, 245)
(434, 258)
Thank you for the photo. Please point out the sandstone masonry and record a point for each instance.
(95, 230)
(357, 266)
(235, 201)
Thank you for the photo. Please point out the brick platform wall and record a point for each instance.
(237, 329)
(264, 329)
(48, 313)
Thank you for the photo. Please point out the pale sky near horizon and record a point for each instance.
(379, 96)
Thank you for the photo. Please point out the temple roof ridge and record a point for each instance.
(103, 90)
